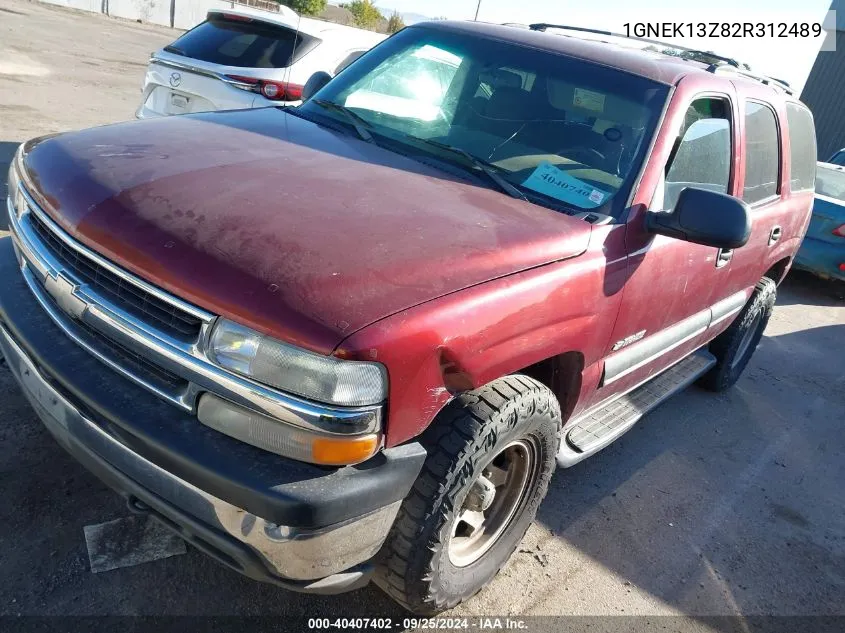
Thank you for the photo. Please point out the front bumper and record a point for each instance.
(301, 526)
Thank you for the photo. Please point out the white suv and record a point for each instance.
(239, 59)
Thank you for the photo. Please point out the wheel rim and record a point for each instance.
(492, 502)
(747, 338)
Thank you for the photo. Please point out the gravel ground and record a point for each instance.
(729, 504)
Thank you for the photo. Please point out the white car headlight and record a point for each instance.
(271, 362)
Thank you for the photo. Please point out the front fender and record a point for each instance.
(469, 338)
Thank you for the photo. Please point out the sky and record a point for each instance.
(785, 59)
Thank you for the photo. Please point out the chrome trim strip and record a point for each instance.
(59, 232)
(187, 361)
(184, 66)
(242, 85)
(184, 401)
(292, 553)
(643, 352)
(727, 307)
(632, 358)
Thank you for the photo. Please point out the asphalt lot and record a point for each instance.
(730, 504)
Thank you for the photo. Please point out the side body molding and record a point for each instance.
(621, 363)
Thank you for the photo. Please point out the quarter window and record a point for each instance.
(702, 155)
(802, 143)
(762, 153)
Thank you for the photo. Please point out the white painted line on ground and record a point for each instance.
(130, 541)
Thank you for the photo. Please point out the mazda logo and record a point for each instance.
(175, 79)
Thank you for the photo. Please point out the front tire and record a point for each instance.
(491, 454)
(734, 347)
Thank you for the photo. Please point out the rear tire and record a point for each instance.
(734, 347)
(434, 558)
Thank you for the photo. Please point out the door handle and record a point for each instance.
(775, 235)
(723, 256)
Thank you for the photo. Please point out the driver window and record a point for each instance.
(702, 154)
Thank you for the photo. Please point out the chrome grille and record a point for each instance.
(136, 363)
(131, 298)
(126, 323)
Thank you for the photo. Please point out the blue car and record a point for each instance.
(823, 250)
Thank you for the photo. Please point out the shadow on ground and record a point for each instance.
(726, 503)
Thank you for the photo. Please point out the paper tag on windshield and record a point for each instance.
(551, 181)
(588, 100)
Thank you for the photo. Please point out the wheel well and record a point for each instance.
(776, 272)
(562, 375)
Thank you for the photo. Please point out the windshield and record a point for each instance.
(565, 132)
(830, 182)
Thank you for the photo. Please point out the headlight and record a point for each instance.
(313, 376)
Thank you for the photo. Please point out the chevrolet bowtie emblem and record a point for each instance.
(62, 290)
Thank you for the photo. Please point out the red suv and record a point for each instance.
(355, 339)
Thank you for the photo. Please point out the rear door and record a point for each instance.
(778, 162)
(673, 285)
(208, 68)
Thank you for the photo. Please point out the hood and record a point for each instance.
(301, 232)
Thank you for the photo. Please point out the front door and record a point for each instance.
(672, 285)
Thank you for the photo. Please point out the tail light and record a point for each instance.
(840, 231)
(273, 90)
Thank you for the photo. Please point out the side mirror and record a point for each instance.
(314, 84)
(704, 217)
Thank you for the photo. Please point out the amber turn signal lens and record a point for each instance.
(339, 452)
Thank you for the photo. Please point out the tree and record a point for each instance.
(365, 14)
(395, 23)
(306, 7)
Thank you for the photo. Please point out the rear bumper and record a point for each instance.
(821, 258)
(296, 525)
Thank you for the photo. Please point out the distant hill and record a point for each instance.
(337, 15)
(411, 18)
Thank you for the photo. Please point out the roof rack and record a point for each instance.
(764, 79)
(718, 60)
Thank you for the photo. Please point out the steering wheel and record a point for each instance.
(583, 151)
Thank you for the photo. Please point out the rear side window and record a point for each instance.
(802, 142)
(762, 153)
(243, 42)
(702, 154)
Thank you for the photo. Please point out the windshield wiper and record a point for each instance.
(360, 124)
(486, 168)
